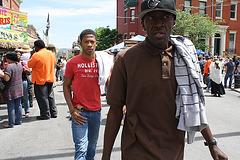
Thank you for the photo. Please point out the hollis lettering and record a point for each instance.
(87, 65)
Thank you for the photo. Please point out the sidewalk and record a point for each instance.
(52, 139)
(236, 89)
(46, 139)
(233, 86)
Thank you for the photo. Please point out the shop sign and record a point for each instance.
(19, 19)
(5, 16)
(13, 36)
(19, 29)
(5, 27)
(10, 17)
(130, 43)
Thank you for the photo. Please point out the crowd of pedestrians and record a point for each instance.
(11, 92)
(214, 68)
(61, 67)
(20, 70)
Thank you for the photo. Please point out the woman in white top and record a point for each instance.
(216, 79)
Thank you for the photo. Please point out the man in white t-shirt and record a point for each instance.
(63, 67)
(25, 52)
(76, 50)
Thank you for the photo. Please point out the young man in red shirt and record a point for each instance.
(82, 73)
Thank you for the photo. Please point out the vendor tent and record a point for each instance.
(115, 49)
(138, 38)
(200, 52)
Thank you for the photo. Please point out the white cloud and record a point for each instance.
(53, 11)
(88, 3)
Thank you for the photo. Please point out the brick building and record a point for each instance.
(14, 27)
(11, 4)
(227, 42)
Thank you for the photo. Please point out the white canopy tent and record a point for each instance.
(120, 46)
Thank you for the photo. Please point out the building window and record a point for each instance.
(218, 10)
(202, 8)
(130, 3)
(125, 36)
(233, 11)
(126, 16)
(187, 4)
(232, 37)
(132, 12)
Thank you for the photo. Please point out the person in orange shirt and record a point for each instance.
(206, 73)
(42, 63)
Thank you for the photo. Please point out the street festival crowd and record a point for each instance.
(28, 72)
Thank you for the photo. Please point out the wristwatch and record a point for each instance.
(211, 143)
(80, 108)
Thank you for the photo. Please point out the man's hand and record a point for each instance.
(216, 153)
(1, 73)
(78, 118)
(75, 113)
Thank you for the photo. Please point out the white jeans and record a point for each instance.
(62, 73)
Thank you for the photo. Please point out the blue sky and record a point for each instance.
(69, 18)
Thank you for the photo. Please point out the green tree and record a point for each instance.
(107, 38)
(197, 28)
(70, 56)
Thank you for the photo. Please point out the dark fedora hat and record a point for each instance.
(12, 56)
(157, 5)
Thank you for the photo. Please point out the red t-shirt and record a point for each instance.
(84, 74)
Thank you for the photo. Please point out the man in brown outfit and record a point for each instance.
(147, 78)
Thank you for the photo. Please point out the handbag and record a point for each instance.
(2, 85)
(206, 78)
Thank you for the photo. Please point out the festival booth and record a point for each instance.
(126, 43)
(13, 33)
(13, 29)
(200, 52)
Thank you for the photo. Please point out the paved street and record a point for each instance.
(52, 139)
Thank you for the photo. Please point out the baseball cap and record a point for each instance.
(157, 5)
(76, 48)
(207, 56)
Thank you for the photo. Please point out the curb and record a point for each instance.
(236, 90)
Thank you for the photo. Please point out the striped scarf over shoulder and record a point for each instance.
(190, 101)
